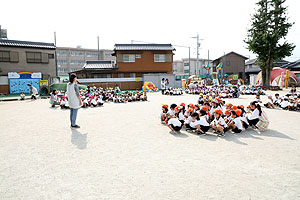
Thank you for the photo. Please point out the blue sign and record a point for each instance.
(18, 81)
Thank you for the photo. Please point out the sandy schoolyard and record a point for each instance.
(123, 152)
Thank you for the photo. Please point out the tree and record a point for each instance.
(267, 36)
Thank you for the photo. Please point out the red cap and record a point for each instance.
(190, 110)
(229, 105)
(165, 106)
(238, 112)
(227, 111)
(241, 106)
(178, 108)
(182, 104)
(234, 107)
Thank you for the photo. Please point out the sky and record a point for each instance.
(221, 25)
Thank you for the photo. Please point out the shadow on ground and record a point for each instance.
(79, 139)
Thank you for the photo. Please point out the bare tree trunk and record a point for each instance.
(268, 77)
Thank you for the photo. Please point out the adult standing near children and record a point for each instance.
(163, 85)
(33, 91)
(74, 100)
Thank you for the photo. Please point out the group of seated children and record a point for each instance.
(93, 97)
(220, 91)
(173, 91)
(289, 102)
(252, 90)
(220, 118)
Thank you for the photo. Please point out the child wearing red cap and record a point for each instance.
(218, 124)
(163, 114)
(179, 114)
(236, 124)
(227, 117)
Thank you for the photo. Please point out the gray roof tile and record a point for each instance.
(99, 64)
(18, 43)
(131, 47)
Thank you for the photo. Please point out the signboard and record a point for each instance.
(18, 81)
(43, 83)
(235, 77)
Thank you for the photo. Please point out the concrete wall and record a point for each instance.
(47, 69)
(156, 79)
(4, 89)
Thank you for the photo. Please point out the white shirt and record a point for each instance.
(237, 121)
(174, 122)
(284, 104)
(254, 114)
(188, 120)
(201, 122)
(181, 116)
(219, 121)
(171, 112)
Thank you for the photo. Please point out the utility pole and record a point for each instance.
(197, 62)
(98, 48)
(55, 54)
(189, 61)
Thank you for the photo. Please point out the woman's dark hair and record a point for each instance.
(53, 91)
(165, 109)
(202, 112)
(254, 103)
(195, 115)
(242, 109)
(72, 77)
(173, 105)
(233, 112)
(207, 104)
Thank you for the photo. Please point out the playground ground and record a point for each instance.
(123, 152)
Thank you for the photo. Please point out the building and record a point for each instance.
(26, 56)
(181, 67)
(133, 63)
(73, 59)
(295, 68)
(233, 63)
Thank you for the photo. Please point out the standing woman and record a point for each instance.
(163, 86)
(74, 100)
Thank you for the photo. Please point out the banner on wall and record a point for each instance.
(18, 81)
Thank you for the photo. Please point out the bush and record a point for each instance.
(63, 86)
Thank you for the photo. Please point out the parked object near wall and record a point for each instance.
(149, 87)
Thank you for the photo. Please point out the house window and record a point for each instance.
(77, 53)
(107, 54)
(186, 71)
(132, 75)
(138, 56)
(128, 58)
(34, 57)
(77, 62)
(227, 63)
(4, 56)
(121, 75)
(186, 64)
(159, 58)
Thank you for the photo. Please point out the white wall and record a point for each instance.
(3, 80)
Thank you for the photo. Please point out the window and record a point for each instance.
(92, 54)
(132, 75)
(77, 53)
(186, 71)
(120, 75)
(159, 58)
(102, 75)
(4, 56)
(51, 56)
(61, 53)
(227, 63)
(107, 54)
(34, 57)
(62, 70)
(62, 62)
(138, 56)
(128, 58)
(77, 62)
(186, 64)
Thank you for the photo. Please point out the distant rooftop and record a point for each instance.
(99, 65)
(29, 44)
(129, 47)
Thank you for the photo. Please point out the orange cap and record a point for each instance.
(182, 104)
(238, 112)
(227, 111)
(165, 106)
(203, 108)
(241, 106)
(178, 108)
(248, 106)
(190, 110)
(229, 105)
(234, 107)
(191, 105)
(219, 111)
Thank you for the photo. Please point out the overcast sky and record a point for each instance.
(222, 24)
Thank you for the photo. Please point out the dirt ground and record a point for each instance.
(123, 152)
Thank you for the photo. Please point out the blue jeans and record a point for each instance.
(73, 116)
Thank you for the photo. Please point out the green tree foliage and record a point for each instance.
(267, 36)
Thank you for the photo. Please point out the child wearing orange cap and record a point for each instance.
(163, 114)
(199, 122)
(218, 124)
(179, 114)
(227, 117)
(236, 124)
